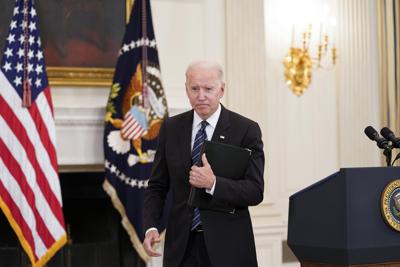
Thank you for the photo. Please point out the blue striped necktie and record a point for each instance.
(201, 135)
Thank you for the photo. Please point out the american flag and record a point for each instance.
(133, 128)
(30, 194)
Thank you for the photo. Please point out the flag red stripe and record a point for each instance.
(126, 123)
(20, 133)
(49, 100)
(137, 131)
(131, 135)
(17, 216)
(135, 135)
(131, 129)
(21, 179)
(44, 135)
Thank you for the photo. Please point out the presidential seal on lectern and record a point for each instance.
(390, 204)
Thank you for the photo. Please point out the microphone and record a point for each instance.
(389, 135)
(374, 136)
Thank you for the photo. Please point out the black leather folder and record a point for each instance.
(226, 161)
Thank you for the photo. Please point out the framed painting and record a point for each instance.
(80, 38)
(6, 8)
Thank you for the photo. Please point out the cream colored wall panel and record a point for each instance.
(176, 97)
(268, 240)
(246, 58)
(180, 34)
(302, 143)
(358, 87)
(245, 49)
(187, 31)
(79, 135)
(79, 97)
(247, 94)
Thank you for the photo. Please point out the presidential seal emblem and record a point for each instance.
(390, 204)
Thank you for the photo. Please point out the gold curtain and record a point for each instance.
(389, 78)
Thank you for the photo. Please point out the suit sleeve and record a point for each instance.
(158, 185)
(249, 190)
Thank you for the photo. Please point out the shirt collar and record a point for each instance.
(212, 120)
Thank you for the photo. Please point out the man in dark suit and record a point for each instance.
(203, 237)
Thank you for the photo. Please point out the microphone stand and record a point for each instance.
(395, 159)
(388, 154)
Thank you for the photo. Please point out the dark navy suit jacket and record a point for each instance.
(229, 237)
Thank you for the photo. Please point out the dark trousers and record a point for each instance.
(196, 252)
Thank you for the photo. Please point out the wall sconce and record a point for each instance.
(299, 63)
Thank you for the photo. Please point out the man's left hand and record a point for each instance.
(202, 177)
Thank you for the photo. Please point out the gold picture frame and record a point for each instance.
(74, 76)
(85, 76)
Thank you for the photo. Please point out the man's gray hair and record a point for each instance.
(206, 64)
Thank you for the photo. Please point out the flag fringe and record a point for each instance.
(51, 251)
(24, 243)
(137, 244)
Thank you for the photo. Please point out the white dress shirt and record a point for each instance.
(212, 123)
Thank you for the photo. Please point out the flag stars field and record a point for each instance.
(31, 40)
(15, 53)
(13, 25)
(18, 81)
(8, 52)
(11, 38)
(7, 66)
(39, 54)
(19, 67)
(32, 27)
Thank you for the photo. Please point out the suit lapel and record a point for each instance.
(186, 139)
(221, 133)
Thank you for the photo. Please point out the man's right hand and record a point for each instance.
(152, 237)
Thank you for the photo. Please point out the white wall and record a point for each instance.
(311, 136)
(306, 138)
